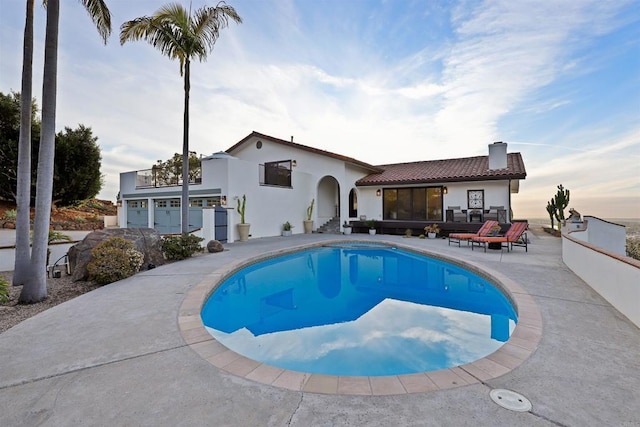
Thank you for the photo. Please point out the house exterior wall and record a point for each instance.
(327, 179)
(128, 191)
(496, 193)
(369, 204)
(267, 207)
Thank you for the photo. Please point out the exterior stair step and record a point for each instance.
(330, 227)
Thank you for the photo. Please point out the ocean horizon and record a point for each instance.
(632, 225)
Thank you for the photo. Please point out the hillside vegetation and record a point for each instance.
(86, 215)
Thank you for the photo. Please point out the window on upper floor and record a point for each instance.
(276, 173)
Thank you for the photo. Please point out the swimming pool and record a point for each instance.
(359, 311)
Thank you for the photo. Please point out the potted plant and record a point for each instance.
(346, 227)
(308, 223)
(372, 226)
(243, 227)
(286, 229)
(432, 230)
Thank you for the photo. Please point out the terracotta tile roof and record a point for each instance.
(451, 170)
(351, 160)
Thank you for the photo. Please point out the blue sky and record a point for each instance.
(381, 81)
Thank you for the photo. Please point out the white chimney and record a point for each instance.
(498, 155)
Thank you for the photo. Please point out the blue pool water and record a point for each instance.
(362, 311)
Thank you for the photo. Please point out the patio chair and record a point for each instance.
(483, 231)
(498, 213)
(455, 214)
(515, 236)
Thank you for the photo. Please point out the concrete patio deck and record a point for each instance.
(116, 356)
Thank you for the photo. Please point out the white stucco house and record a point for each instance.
(280, 178)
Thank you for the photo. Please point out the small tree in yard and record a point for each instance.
(76, 166)
(77, 160)
(169, 172)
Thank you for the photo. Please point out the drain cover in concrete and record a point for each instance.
(510, 400)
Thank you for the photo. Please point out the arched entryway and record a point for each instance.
(328, 200)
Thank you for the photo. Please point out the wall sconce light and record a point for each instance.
(445, 190)
(294, 163)
(378, 192)
(223, 200)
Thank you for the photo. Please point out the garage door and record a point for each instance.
(137, 214)
(167, 216)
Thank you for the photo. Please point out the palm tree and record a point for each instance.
(180, 35)
(23, 191)
(35, 285)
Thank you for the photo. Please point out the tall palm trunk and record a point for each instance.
(35, 286)
(23, 193)
(185, 150)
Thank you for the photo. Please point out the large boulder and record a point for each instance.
(146, 240)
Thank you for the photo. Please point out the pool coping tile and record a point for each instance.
(387, 385)
(417, 383)
(265, 374)
(324, 384)
(291, 380)
(242, 366)
(354, 386)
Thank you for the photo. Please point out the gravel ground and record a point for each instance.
(58, 291)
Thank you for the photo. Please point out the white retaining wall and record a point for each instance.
(8, 254)
(615, 277)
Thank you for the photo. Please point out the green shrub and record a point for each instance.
(92, 204)
(56, 235)
(180, 247)
(4, 291)
(633, 248)
(114, 259)
(10, 214)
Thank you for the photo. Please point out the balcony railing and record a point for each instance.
(275, 173)
(150, 178)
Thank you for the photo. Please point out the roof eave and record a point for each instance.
(442, 180)
(352, 161)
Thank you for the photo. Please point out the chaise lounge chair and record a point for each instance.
(515, 236)
(483, 231)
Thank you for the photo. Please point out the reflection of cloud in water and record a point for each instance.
(410, 332)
